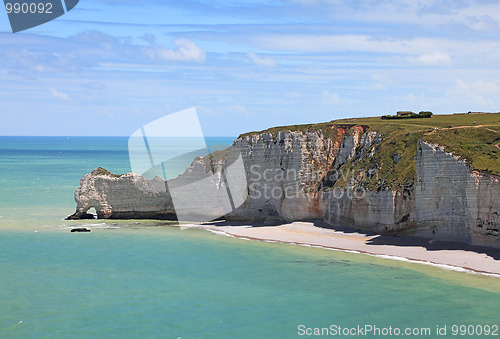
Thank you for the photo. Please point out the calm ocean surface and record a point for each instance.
(141, 279)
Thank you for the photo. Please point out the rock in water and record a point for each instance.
(128, 196)
(76, 216)
(80, 229)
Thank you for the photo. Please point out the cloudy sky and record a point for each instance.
(110, 66)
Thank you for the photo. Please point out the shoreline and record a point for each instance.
(415, 250)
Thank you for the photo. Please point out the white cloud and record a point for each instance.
(205, 111)
(238, 109)
(428, 51)
(479, 15)
(348, 42)
(479, 93)
(329, 98)
(59, 94)
(380, 81)
(261, 61)
(434, 59)
(107, 114)
(293, 95)
(186, 51)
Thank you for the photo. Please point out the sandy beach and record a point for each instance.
(447, 255)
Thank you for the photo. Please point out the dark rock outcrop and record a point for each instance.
(80, 229)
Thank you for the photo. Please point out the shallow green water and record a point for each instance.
(139, 279)
(164, 282)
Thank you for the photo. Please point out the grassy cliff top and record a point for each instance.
(323, 126)
(473, 137)
(436, 121)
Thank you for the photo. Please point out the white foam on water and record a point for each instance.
(91, 226)
(221, 233)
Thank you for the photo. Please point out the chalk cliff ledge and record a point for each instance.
(436, 178)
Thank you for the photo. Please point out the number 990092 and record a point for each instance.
(28, 8)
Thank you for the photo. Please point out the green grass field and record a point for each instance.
(473, 137)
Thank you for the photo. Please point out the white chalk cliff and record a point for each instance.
(308, 175)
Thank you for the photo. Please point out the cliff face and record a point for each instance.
(122, 197)
(452, 202)
(313, 175)
(288, 173)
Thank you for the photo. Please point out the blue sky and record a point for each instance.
(110, 66)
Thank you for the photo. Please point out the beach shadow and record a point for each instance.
(344, 229)
(434, 245)
(405, 240)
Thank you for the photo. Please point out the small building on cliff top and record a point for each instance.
(404, 113)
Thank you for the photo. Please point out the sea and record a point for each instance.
(150, 279)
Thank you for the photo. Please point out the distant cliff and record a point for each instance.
(386, 177)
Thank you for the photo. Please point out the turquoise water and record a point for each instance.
(142, 279)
